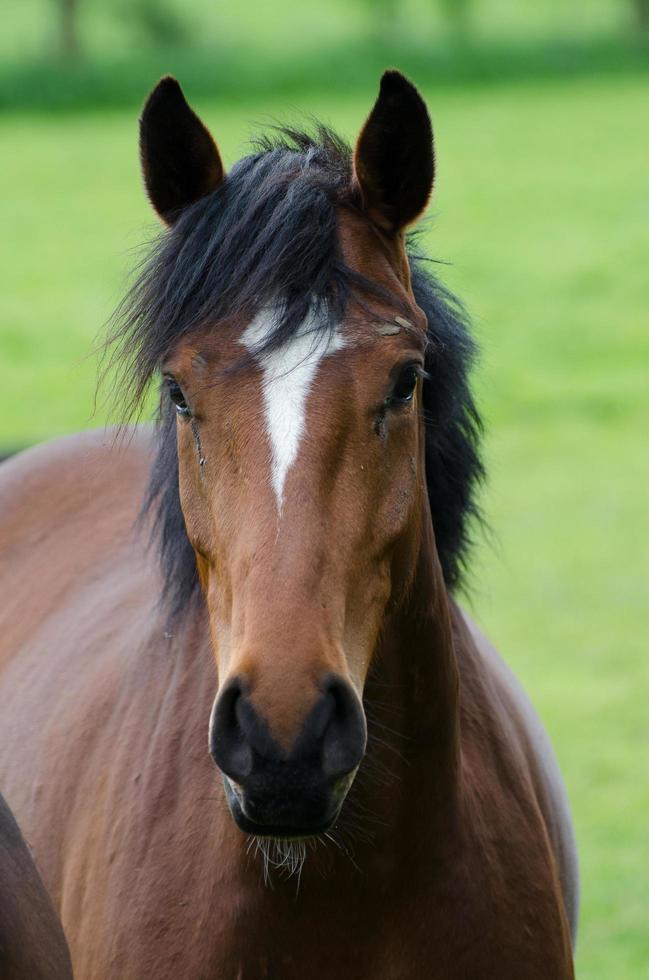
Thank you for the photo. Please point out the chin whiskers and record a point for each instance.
(282, 855)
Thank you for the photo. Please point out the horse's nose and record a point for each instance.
(331, 741)
(300, 791)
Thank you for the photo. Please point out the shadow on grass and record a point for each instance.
(238, 75)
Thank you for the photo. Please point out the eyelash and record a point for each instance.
(177, 397)
(413, 371)
(182, 408)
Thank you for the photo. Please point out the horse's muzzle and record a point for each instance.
(277, 794)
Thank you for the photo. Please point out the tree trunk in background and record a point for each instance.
(458, 17)
(68, 26)
(384, 18)
(642, 14)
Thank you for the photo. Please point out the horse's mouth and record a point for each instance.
(269, 828)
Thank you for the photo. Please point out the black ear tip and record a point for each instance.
(168, 81)
(167, 89)
(394, 83)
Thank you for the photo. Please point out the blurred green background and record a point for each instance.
(541, 114)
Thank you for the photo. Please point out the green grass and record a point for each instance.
(113, 81)
(543, 210)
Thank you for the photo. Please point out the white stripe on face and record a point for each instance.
(288, 374)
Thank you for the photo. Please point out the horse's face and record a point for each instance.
(302, 485)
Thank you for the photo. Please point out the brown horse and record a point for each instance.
(32, 944)
(388, 805)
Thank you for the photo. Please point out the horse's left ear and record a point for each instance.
(394, 162)
(180, 160)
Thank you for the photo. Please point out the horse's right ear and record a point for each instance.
(180, 160)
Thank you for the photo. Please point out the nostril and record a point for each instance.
(345, 733)
(229, 746)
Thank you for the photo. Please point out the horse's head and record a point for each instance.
(283, 318)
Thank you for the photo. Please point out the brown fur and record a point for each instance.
(32, 944)
(105, 732)
(452, 857)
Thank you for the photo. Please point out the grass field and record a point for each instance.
(542, 210)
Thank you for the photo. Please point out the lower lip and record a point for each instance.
(268, 830)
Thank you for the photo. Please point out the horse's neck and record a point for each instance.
(411, 702)
(420, 652)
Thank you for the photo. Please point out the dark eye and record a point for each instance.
(177, 397)
(405, 386)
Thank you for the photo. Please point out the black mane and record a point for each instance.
(270, 230)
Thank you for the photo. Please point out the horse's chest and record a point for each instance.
(283, 934)
(416, 937)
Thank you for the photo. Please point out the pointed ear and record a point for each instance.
(180, 160)
(394, 162)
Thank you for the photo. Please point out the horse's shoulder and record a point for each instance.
(72, 474)
(487, 678)
(84, 454)
(521, 731)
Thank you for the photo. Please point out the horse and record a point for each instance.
(32, 944)
(245, 722)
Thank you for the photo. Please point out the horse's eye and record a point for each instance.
(177, 397)
(405, 386)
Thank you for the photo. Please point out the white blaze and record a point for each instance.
(287, 375)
